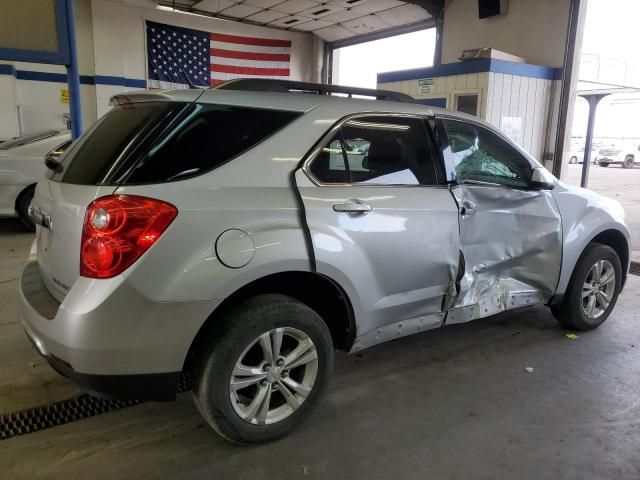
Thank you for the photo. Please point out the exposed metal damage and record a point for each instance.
(501, 271)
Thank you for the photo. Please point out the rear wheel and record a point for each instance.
(593, 289)
(628, 162)
(265, 371)
(22, 207)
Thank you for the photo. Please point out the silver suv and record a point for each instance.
(241, 234)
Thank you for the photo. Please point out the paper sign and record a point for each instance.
(64, 95)
(512, 127)
(426, 86)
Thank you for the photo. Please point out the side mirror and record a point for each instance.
(541, 179)
(52, 162)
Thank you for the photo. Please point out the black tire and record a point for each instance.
(573, 160)
(570, 312)
(241, 326)
(628, 162)
(22, 207)
(603, 164)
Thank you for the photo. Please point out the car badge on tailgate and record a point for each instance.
(40, 217)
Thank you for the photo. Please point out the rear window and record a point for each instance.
(208, 137)
(165, 141)
(110, 140)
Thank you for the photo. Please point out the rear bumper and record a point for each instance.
(108, 338)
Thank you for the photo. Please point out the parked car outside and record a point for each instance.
(576, 154)
(625, 154)
(241, 242)
(21, 164)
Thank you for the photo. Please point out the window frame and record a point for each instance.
(336, 129)
(442, 118)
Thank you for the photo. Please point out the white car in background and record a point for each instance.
(576, 154)
(625, 155)
(21, 165)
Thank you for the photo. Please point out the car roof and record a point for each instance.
(339, 106)
(301, 102)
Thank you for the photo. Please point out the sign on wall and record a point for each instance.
(180, 57)
(426, 86)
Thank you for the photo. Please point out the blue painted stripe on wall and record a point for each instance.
(121, 81)
(6, 69)
(50, 77)
(474, 66)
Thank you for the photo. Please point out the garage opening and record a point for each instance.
(358, 65)
(609, 74)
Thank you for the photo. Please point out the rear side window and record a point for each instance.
(377, 150)
(208, 137)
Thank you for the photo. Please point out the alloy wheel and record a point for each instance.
(273, 376)
(598, 289)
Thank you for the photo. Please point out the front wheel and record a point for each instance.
(593, 289)
(628, 162)
(573, 160)
(265, 371)
(603, 164)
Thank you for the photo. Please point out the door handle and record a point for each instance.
(468, 207)
(352, 207)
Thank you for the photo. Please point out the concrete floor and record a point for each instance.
(455, 403)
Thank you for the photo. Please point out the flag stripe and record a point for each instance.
(248, 63)
(284, 72)
(223, 77)
(238, 47)
(265, 42)
(276, 57)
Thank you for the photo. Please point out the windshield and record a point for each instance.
(25, 139)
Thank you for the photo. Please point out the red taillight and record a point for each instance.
(118, 229)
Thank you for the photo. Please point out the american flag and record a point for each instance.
(178, 57)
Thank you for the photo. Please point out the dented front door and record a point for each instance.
(511, 243)
(510, 232)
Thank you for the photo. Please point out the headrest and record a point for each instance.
(384, 155)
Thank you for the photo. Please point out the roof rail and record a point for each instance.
(290, 86)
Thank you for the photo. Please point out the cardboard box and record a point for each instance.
(488, 52)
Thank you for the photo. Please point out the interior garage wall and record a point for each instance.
(30, 92)
(119, 42)
(535, 30)
(112, 59)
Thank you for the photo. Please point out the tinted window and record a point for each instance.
(388, 151)
(89, 160)
(481, 155)
(210, 136)
(329, 166)
(377, 150)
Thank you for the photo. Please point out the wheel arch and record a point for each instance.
(615, 239)
(21, 195)
(315, 290)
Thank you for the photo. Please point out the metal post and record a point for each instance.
(73, 75)
(592, 100)
(437, 52)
